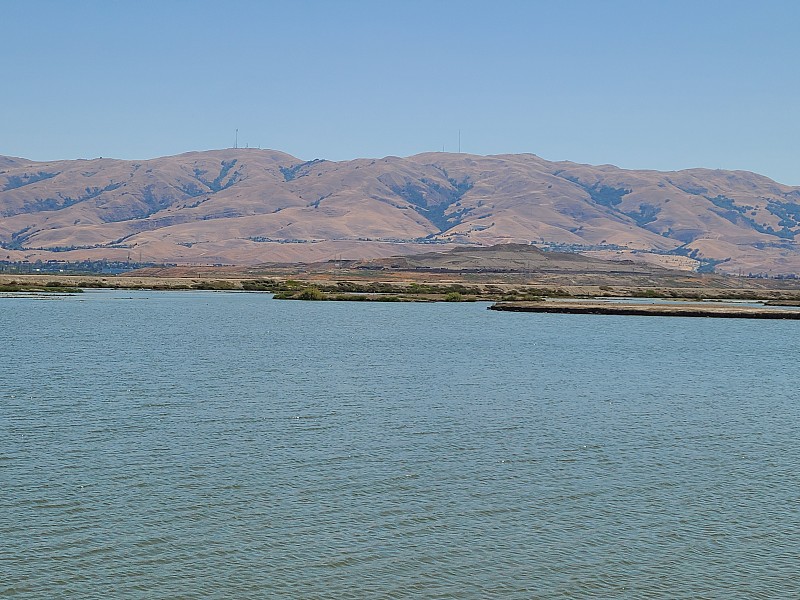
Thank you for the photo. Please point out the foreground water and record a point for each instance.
(194, 445)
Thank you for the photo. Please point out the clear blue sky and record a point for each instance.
(641, 84)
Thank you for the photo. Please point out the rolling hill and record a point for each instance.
(247, 206)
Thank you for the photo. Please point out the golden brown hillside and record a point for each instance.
(246, 206)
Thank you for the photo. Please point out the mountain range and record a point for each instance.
(249, 206)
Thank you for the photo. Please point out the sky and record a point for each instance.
(641, 84)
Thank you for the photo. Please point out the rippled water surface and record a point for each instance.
(193, 445)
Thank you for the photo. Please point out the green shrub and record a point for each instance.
(555, 293)
(310, 293)
(213, 285)
(646, 294)
(259, 285)
(284, 295)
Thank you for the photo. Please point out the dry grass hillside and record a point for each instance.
(246, 206)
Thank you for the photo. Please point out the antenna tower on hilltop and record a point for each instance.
(236, 140)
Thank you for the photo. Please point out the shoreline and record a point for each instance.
(536, 294)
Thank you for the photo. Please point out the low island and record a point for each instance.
(674, 309)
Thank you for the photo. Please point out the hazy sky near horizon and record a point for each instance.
(651, 84)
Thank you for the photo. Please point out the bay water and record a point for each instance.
(227, 445)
